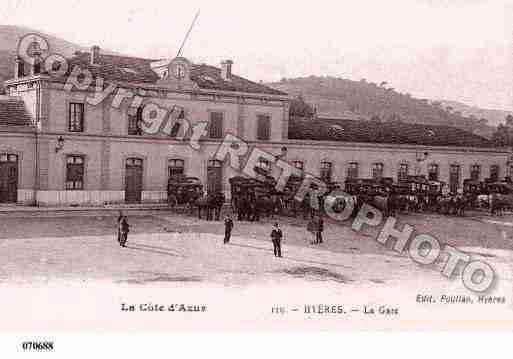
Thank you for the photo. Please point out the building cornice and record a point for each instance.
(289, 143)
(155, 88)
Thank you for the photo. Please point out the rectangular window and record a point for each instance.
(403, 172)
(263, 128)
(215, 129)
(326, 171)
(76, 117)
(134, 123)
(352, 170)
(74, 173)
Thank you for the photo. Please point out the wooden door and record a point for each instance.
(8, 178)
(133, 180)
(454, 178)
(214, 176)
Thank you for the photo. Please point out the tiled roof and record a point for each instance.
(209, 77)
(137, 70)
(382, 132)
(13, 112)
(116, 68)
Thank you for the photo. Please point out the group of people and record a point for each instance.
(315, 227)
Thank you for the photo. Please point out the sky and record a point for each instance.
(438, 49)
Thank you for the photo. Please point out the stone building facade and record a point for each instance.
(78, 138)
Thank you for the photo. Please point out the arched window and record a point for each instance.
(352, 170)
(402, 174)
(214, 176)
(494, 173)
(433, 172)
(176, 168)
(326, 171)
(377, 170)
(475, 172)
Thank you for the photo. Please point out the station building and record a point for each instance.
(76, 139)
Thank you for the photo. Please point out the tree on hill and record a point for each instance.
(503, 136)
(299, 107)
(509, 121)
(366, 99)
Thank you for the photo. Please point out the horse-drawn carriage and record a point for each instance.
(371, 191)
(251, 197)
(183, 191)
(188, 192)
(473, 190)
(500, 196)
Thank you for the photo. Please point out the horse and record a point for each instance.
(212, 203)
(500, 202)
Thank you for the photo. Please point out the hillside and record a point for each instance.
(9, 37)
(494, 117)
(364, 100)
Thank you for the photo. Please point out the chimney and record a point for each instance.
(226, 69)
(95, 55)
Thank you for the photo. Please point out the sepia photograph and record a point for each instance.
(286, 166)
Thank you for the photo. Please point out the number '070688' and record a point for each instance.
(37, 346)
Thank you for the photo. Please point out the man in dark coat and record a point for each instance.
(276, 236)
(124, 228)
(120, 217)
(320, 229)
(228, 226)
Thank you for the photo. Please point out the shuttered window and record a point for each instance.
(215, 129)
(135, 122)
(76, 117)
(263, 128)
(403, 172)
(377, 170)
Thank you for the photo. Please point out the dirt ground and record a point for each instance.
(169, 251)
(85, 245)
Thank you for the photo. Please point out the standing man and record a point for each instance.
(312, 228)
(276, 236)
(228, 226)
(320, 229)
(120, 217)
(124, 228)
